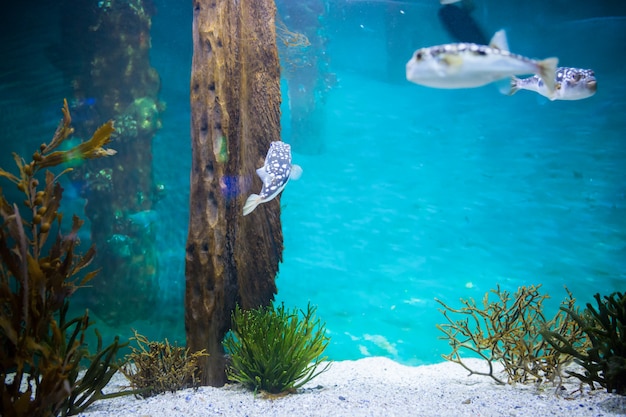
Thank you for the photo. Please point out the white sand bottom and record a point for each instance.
(376, 387)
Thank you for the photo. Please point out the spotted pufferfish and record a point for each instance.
(275, 173)
(570, 84)
(468, 65)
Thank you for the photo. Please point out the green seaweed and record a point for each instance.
(272, 350)
(41, 351)
(508, 331)
(156, 367)
(604, 360)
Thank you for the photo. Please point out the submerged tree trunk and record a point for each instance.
(105, 56)
(235, 114)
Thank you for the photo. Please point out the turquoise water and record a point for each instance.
(425, 194)
(407, 205)
(419, 193)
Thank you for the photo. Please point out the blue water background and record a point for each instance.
(420, 193)
(425, 193)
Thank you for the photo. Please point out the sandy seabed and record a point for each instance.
(376, 387)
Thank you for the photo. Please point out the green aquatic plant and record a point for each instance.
(156, 367)
(40, 349)
(508, 331)
(274, 350)
(604, 359)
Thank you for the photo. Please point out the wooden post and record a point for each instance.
(235, 112)
(106, 54)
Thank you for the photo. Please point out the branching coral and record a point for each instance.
(508, 331)
(40, 350)
(272, 350)
(156, 367)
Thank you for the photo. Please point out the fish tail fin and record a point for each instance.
(251, 203)
(547, 71)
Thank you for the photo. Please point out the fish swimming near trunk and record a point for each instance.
(570, 84)
(468, 65)
(275, 173)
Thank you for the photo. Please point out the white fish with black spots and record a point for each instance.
(275, 173)
(468, 65)
(570, 84)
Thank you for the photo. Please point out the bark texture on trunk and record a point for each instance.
(235, 114)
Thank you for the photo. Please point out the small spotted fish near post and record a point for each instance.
(275, 173)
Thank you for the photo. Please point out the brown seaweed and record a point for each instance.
(156, 367)
(40, 349)
(508, 331)
(604, 359)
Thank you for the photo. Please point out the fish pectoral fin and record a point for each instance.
(251, 203)
(547, 72)
(554, 94)
(453, 62)
(499, 41)
(296, 172)
(266, 177)
(262, 173)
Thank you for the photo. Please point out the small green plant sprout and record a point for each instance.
(604, 358)
(156, 367)
(508, 331)
(41, 350)
(274, 350)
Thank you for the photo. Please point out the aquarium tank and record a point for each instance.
(409, 194)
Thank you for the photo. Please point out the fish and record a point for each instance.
(275, 173)
(570, 84)
(468, 65)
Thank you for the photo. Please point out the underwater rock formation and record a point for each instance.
(235, 114)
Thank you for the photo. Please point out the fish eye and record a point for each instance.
(577, 76)
(419, 55)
